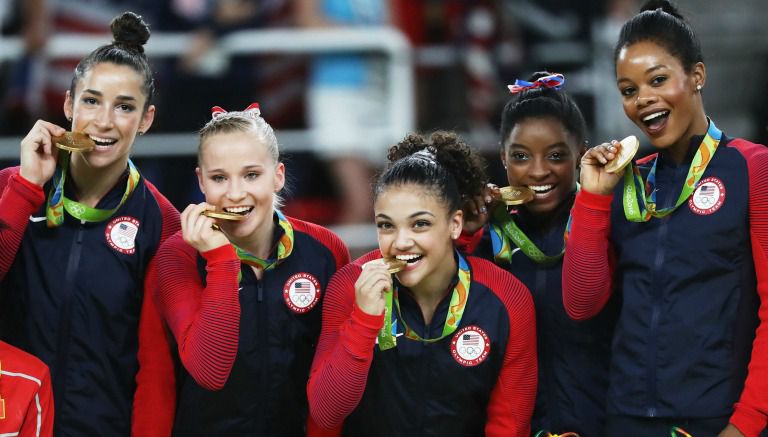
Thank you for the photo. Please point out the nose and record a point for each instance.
(645, 97)
(403, 240)
(105, 118)
(235, 190)
(539, 168)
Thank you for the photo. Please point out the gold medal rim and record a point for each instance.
(395, 265)
(618, 163)
(223, 215)
(70, 143)
(526, 195)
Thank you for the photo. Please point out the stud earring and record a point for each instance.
(698, 87)
(69, 119)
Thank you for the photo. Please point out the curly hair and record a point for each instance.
(130, 33)
(441, 163)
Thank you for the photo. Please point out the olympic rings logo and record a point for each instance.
(303, 299)
(470, 351)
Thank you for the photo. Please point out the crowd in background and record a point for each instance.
(465, 53)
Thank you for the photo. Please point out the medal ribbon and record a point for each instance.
(675, 430)
(284, 248)
(633, 181)
(459, 297)
(58, 202)
(503, 229)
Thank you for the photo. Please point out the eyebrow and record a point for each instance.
(548, 147)
(415, 214)
(247, 167)
(100, 94)
(649, 70)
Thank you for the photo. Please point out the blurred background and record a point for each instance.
(341, 80)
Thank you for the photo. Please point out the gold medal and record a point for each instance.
(629, 146)
(74, 142)
(394, 265)
(223, 215)
(516, 195)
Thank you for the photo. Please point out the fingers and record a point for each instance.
(41, 136)
(198, 230)
(601, 154)
(373, 282)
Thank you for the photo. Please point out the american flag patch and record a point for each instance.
(470, 339)
(301, 287)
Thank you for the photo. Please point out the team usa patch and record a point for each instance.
(708, 197)
(470, 346)
(301, 292)
(121, 234)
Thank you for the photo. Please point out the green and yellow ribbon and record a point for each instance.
(459, 297)
(634, 184)
(284, 248)
(58, 202)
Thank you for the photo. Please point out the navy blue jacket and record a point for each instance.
(573, 355)
(73, 297)
(689, 287)
(263, 390)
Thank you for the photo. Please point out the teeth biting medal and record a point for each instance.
(516, 195)
(394, 265)
(223, 215)
(74, 142)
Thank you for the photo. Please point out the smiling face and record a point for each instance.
(238, 174)
(540, 154)
(108, 106)
(416, 226)
(659, 96)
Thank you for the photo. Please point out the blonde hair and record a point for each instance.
(249, 120)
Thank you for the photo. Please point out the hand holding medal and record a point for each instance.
(602, 165)
(199, 228)
(374, 282)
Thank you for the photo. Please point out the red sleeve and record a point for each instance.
(467, 243)
(204, 318)
(42, 404)
(20, 199)
(750, 414)
(589, 261)
(344, 352)
(512, 400)
(154, 402)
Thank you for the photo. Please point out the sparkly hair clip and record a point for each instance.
(252, 111)
(555, 81)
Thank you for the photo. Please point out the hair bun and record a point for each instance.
(130, 31)
(664, 5)
(538, 75)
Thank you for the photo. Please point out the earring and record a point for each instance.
(69, 119)
(698, 87)
(141, 133)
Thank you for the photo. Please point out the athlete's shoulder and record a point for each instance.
(18, 361)
(324, 236)
(498, 280)
(749, 150)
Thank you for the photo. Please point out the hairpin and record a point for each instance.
(555, 81)
(252, 111)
